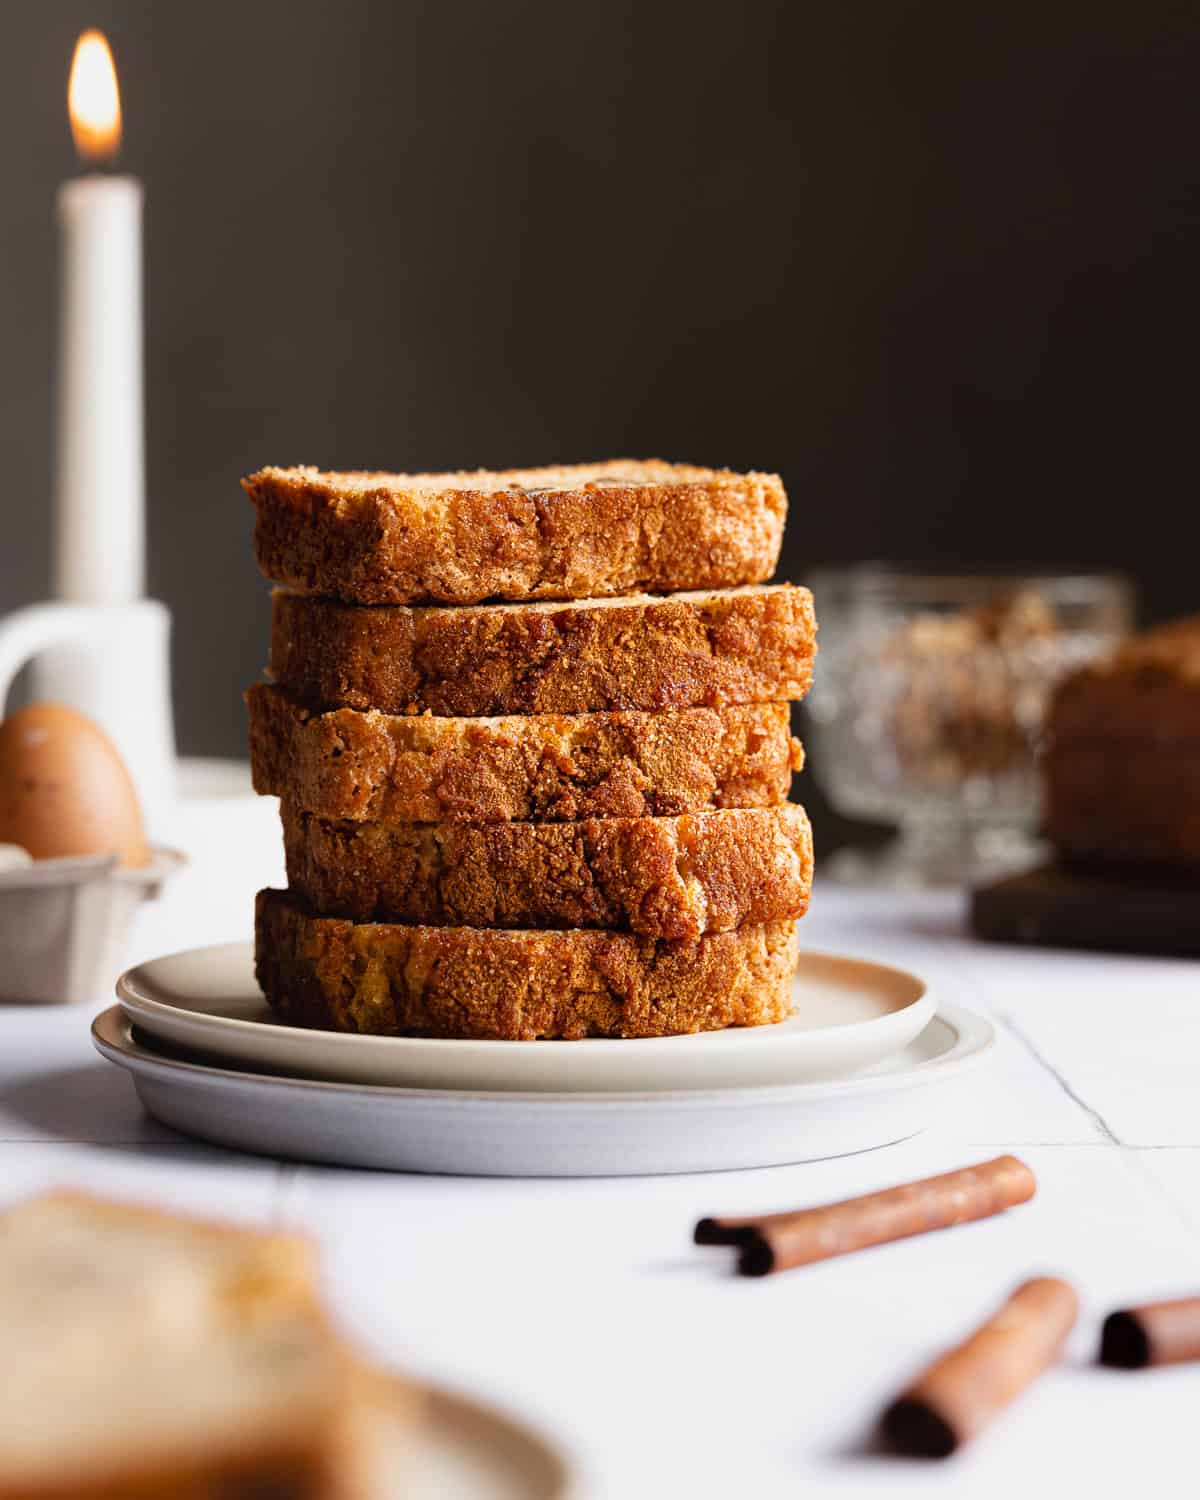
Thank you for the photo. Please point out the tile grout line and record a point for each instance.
(1177, 1205)
(1017, 1146)
(1102, 1125)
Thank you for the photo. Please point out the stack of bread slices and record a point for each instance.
(530, 732)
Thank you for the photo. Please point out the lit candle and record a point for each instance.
(100, 645)
(99, 546)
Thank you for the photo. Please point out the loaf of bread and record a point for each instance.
(545, 768)
(1122, 771)
(747, 645)
(569, 532)
(388, 980)
(1148, 691)
(1123, 804)
(661, 877)
(148, 1356)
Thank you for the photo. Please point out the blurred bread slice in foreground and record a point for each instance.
(148, 1356)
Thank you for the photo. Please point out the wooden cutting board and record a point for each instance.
(1122, 911)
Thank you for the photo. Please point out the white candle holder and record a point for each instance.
(112, 663)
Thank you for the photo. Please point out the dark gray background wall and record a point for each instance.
(934, 262)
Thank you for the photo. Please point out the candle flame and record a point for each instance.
(93, 100)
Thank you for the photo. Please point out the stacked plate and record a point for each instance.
(868, 1059)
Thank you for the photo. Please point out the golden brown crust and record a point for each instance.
(1149, 690)
(1115, 802)
(570, 532)
(331, 1452)
(750, 645)
(304, 1467)
(519, 986)
(545, 768)
(661, 877)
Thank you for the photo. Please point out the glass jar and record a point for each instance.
(930, 699)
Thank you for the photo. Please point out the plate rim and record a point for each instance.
(446, 1402)
(750, 1037)
(975, 1038)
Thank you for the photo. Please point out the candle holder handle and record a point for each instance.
(25, 633)
(111, 662)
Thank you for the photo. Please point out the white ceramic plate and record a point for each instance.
(849, 1014)
(462, 1449)
(498, 1134)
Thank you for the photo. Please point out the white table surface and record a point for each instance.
(584, 1306)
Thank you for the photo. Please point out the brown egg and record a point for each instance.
(64, 788)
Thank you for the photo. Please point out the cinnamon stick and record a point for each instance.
(777, 1242)
(960, 1393)
(1157, 1333)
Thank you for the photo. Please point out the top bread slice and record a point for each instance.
(573, 532)
(148, 1356)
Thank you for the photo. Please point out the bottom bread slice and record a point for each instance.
(387, 980)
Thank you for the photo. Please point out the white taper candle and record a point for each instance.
(99, 546)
